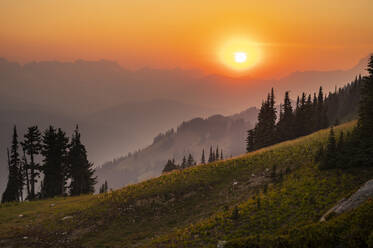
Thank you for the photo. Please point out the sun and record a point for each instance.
(239, 54)
(240, 57)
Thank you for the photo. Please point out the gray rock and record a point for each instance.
(365, 192)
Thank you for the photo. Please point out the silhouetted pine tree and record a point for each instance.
(250, 140)
(286, 123)
(104, 188)
(55, 163)
(217, 155)
(330, 158)
(14, 186)
(203, 160)
(210, 155)
(25, 169)
(366, 105)
(81, 170)
(170, 166)
(221, 154)
(265, 128)
(32, 146)
(190, 161)
(322, 119)
(300, 116)
(184, 163)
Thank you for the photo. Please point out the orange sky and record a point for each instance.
(292, 34)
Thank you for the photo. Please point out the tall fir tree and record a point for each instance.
(366, 105)
(322, 119)
(203, 159)
(285, 125)
(32, 146)
(14, 188)
(250, 140)
(190, 161)
(210, 155)
(55, 163)
(217, 155)
(329, 160)
(170, 166)
(184, 163)
(81, 170)
(25, 169)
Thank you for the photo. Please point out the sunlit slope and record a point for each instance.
(196, 207)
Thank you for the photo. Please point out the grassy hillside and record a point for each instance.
(240, 200)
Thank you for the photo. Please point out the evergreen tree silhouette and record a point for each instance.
(81, 170)
(184, 163)
(210, 155)
(14, 186)
(322, 119)
(170, 166)
(329, 160)
(55, 162)
(250, 140)
(203, 160)
(217, 155)
(32, 146)
(190, 161)
(366, 105)
(286, 122)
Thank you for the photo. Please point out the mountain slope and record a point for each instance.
(190, 137)
(196, 207)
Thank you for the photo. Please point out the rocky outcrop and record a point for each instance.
(364, 193)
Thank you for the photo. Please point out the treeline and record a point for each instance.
(214, 155)
(311, 114)
(54, 158)
(353, 148)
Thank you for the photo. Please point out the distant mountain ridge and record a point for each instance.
(190, 137)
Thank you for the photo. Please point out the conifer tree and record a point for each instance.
(170, 166)
(322, 119)
(210, 155)
(329, 159)
(14, 186)
(217, 155)
(25, 168)
(55, 162)
(221, 154)
(32, 146)
(286, 122)
(366, 104)
(184, 163)
(190, 161)
(106, 187)
(308, 115)
(250, 140)
(203, 160)
(81, 170)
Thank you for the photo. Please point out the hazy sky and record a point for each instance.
(290, 35)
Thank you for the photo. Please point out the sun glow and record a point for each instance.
(239, 54)
(240, 57)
